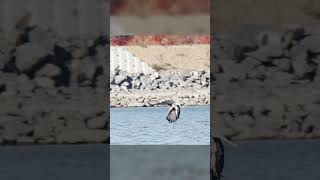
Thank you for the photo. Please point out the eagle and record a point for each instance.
(174, 110)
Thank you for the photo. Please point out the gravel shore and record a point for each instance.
(134, 90)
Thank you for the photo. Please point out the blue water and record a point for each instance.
(251, 160)
(148, 126)
(54, 162)
(273, 160)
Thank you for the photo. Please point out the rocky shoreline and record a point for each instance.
(266, 83)
(52, 89)
(144, 90)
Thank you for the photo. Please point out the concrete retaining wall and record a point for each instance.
(121, 58)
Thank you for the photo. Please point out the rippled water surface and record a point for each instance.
(273, 160)
(147, 125)
(54, 162)
(250, 160)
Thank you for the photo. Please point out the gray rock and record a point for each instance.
(88, 67)
(124, 88)
(4, 59)
(283, 63)
(269, 46)
(168, 84)
(137, 84)
(42, 129)
(49, 70)
(79, 53)
(13, 36)
(13, 128)
(29, 54)
(9, 80)
(97, 122)
(300, 64)
(126, 84)
(195, 74)
(119, 79)
(233, 70)
(68, 136)
(311, 43)
(44, 82)
(5, 47)
(250, 63)
(101, 52)
(10, 136)
(46, 140)
(63, 43)
(317, 78)
(268, 39)
(42, 38)
(182, 84)
(124, 73)
(75, 123)
(279, 79)
(265, 54)
(154, 76)
(81, 136)
(258, 73)
(25, 140)
(316, 60)
(24, 83)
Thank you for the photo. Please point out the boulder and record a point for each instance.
(119, 79)
(24, 83)
(284, 63)
(154, 76)
(25, 140)
(49, 70)
(99, 122)
(42, 37)
(28, 55)
(44, 82)
(300, 65)
(311, 43)
(82, 136)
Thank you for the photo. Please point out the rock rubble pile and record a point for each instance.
(47, 84)
(189, 88)
(267, 84)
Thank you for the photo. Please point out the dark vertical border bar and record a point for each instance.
(107, 90)
(265, 79)
(108, 75)
(211, 87)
